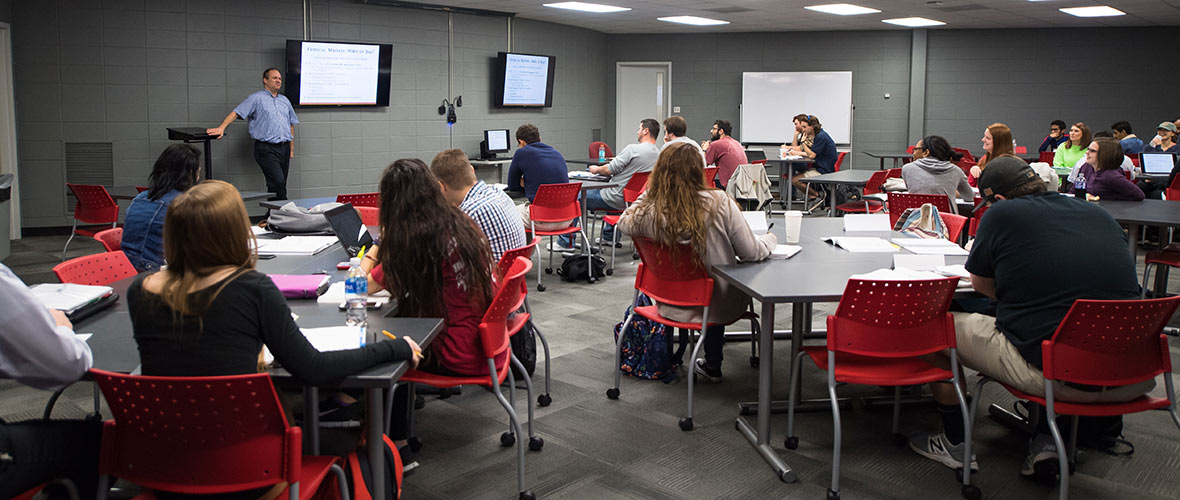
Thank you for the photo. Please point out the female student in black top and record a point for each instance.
(209, 312)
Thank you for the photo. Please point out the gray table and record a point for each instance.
(130, 192)
(856, 178)
(785, 169)
(1149, 212)
(114, 348)
(882, 156)
(819, 273)
(589, 161)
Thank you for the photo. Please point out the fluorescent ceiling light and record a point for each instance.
(1095, 11)
(842, 9)
(913, 22)
(587, 7)
(693, 20)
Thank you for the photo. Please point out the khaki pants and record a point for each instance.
(984, 348)
(541, 226)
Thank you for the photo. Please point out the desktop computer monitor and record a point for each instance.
(494, 141)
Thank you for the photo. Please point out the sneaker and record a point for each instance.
(817, 202)
(606, 242)
(936, 447)
(556, 246)
(706, 374)
(1041, 462)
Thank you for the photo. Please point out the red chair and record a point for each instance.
(370, 216)
(558, 203)
(954, 225)
(1020, 150)
(635, 187)
(360, 199)
(204, 435)
(966, 154)
(140, 189)
(94, 206)
(710, 175)
(97, 269)
(966, 166)
(910, 150)
(898, 202)
(878, 336)
(868, 205)
(111, 239)
(502, 269)
(1046, 157)
(71, 490)
(594, 150)
(1172, 192)
(976, 216)
(494, 332)
(1103, 343)
(1168, 256)
(839, 161)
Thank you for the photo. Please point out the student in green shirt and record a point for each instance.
(1069, 152)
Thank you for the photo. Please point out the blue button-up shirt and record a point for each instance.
(270, 117)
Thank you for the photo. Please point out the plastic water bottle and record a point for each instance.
(356, 294)
(601, 152)
(1079, 187)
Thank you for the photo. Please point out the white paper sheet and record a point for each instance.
(918, 262)
(334, 338)
(897, 275)
(866, 222)
(954, 270)
(68, 296)
(857, 244)
(296, 245)
(83, 336)
(757, 221)
(335, 295)
(930, 246)
(785, 251)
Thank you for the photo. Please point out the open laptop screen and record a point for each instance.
(346, 223)
(1157, 163)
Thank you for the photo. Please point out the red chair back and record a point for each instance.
(1046, 157)
(97, 269)
(910, 150)
(873, 186)
(594, 150)
(1127, 174)
(976, 216)
(494, 329)
(1110, 342)
(898, 202)
(672, 275)
(360, 199)
(140, 189)
(1020, 150)
(635, 186)
(95, 205)
(197, 435)
(759, 162)
(509, 257)
(966, 154)
(710, 173)
(966, 166)
(370, 216)
(556, 202)
(1172, 192)
(839, 161)
(111, 239)
(954, 225)
(893, 319)
(894, 173)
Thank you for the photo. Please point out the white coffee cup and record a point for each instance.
(794, 221)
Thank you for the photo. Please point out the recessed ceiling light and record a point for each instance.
(587, 7)
(842, 9)
(1095, 11)
(693, 20)
(913, 22)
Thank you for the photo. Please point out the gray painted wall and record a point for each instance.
(123, 71)
(5, 11)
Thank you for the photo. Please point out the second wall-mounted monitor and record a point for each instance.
(523, 80)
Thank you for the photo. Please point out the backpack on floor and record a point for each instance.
(573, 268)
(647, 347)
(524, 347)
(360, 475)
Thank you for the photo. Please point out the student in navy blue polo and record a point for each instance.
(533, 164)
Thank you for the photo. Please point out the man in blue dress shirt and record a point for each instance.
(272, 125)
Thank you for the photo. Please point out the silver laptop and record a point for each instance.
(1157, 163)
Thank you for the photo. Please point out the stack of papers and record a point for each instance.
(335, 295)
(930, 247)
(297, 245)
(785, 251)
(69, 297)
(918, 262)
(587, 176)
(757, 221)
(866, 222)
(335, 338)
(858, 244)
(897, 275)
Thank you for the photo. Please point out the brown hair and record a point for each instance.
(1001, 143)
(1110, 154)
(800, 118)
(452, 168)
(1086, 137)
(672, 196)
(652, 126)
(421, 234)
(676, 126)
(206, 229)
(528, 133)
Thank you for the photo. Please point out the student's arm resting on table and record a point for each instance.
(616, 165)
(37, 348)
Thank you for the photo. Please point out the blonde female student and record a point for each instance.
(677, 208)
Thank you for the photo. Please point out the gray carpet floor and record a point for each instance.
(632, 448)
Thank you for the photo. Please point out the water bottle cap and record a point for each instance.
(355, 261)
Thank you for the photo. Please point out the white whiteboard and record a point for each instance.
(770, 100)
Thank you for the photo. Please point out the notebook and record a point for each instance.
(1157, 163)
(77, 301)
(301, 286)
(346, 223)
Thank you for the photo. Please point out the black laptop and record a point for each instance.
(347, 225)
(1157, 163)
(754, 155)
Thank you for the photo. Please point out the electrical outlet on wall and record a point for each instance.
(675, 109)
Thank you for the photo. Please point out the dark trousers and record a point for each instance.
(45, 450)
(275, 161)
(714, 345)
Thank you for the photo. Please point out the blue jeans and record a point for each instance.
(594, 201)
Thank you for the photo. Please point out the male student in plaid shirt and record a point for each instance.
(493, 211)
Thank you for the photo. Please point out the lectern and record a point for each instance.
(195, 134)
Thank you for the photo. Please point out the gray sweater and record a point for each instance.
(934, 176)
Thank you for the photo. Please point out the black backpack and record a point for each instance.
(524, 347)
(573, 268)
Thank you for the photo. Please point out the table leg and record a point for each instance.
(831, 200)
(882, 166)
(1133, 242)
(760, 438)
(790, 188)
(311, 420)
(374, 441)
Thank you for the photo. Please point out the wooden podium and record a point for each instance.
(191, 135)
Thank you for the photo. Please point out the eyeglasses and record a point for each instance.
(1091, 150)
(919, 148)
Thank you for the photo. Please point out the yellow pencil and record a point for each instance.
(390, 335)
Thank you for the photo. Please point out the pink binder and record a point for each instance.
(301, 286)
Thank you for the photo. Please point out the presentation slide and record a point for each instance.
(497, 140)
(338, 73)
(524, 80)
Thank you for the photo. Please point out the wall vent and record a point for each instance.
(88, 163)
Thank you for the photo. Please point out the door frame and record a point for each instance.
(8, 143)
(618, 85)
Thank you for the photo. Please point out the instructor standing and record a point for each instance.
(272, 125)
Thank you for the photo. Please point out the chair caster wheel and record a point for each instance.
(419, 402)
(527, 495)
(899, 440)
(833, 495)
(610, 272)
(415, 444)
(792, 442)
(634, 256)
(612, 393)
(971, 492)
(754, 361)
(540, 287)
(507, 439)
(536, 443)
(591, 279)
(544, 400)
(686, 424)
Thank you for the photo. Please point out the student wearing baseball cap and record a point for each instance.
(1164, 141)
(1015, 261)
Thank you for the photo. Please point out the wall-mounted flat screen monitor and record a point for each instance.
(338, 73)
(523, 80)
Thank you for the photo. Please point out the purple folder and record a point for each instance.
(301, 286)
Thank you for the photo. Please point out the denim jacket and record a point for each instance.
(143, 230)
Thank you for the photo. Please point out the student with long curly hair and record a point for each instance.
(678, 208)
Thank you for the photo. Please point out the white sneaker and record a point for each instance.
(556, 246)
(1041, 463)
(939, 449)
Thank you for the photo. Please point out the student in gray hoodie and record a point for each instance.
(932, 171)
